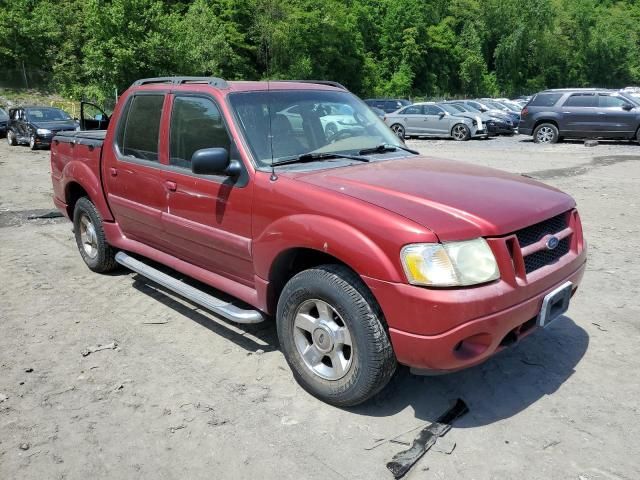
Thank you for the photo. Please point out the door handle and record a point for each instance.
(113, 172)
(171, 186)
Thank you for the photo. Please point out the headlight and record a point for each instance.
(43, 131)
(449, 264)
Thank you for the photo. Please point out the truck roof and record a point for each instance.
(240, 86)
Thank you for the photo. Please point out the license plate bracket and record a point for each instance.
(555, 303)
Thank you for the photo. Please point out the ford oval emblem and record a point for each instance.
(552, 243)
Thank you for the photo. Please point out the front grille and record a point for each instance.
(534, 233)
(545, 257)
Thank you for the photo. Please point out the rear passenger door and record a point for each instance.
(132, 174)
(208, 217)
(580, 115)
(413, 119)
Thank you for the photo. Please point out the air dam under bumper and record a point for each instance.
(474, 341)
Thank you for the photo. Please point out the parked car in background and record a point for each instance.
(4, 119)
(333, 117)
(480, 118)
(580, 113)
(387, 105)
(429, 120)
(367, 254)
(36, 126)
(502, 122)
(513, 112)
(379, 112)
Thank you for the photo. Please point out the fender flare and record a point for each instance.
(327, 235)
(80, 173)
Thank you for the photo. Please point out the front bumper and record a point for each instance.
(446, 329)
(472, 342)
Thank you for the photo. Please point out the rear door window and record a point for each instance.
(545, 99)
(196, 123)
(412, 110)
(141, 131)
(582, 100)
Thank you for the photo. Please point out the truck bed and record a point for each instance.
(94, 138)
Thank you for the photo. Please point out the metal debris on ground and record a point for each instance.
(25, 446)
(403, 461)
(97, 348)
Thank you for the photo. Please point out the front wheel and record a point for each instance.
(546, 133)
(460, 132)
(332, 334)
(32, 142)
(90, 237)
(11, 138)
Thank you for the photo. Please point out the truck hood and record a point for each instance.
(455, 200)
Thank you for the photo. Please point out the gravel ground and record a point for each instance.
(186, 395)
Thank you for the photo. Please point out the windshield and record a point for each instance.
(307, 121)
(47, 114)
(449, 108)
(468, 108)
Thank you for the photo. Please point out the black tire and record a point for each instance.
(546, 133)
(103, 259)
(460, 132)
(32, 143)
(372, 363)
(638, 135)
(11, 138)
(399, 130)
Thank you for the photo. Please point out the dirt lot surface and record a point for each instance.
(186, 395)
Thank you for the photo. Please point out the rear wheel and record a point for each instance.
(90, 238)
(11, 138)
(332, 334)
(460, 132)
(546, 133)
(398, 130)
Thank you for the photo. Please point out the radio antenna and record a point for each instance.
(267, 45)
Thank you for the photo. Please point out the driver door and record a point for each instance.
(92, 117)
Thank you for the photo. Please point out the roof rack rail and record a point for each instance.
(213, 81)
(318, 82)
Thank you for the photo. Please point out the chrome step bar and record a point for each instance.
(217, 306)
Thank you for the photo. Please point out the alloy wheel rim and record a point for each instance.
(88, 237)
(459, 132)
(398, 130)
(545, 135)
(323, 339)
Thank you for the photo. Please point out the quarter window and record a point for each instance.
(196, 123)
(545, 99)
(141, 131)
(582, 100)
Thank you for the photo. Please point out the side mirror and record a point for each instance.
(214, 161)
(482, 109)
(627, 107)
(441, 114)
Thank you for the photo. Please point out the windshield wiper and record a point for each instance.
(312, 157)
(386, 147)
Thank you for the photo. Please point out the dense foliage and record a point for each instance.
(375, 47)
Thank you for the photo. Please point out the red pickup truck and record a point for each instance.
(295, 199)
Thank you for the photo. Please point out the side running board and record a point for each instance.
(217, 306)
